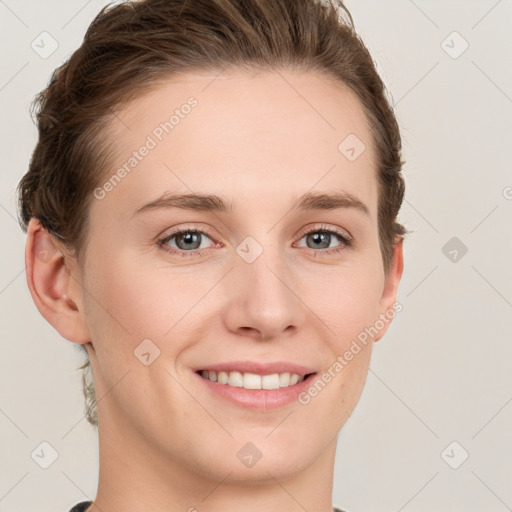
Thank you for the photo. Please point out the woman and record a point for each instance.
(258, 133)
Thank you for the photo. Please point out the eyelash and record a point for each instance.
(346, 241)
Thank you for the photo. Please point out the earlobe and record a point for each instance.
(388, 300)
(54, 290)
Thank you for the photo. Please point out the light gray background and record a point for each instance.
(441, 374)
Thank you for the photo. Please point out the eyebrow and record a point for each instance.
(215, 203)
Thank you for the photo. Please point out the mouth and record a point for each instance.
(248, 380)
(261, 386)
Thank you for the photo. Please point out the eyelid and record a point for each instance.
(326, 227)
(186, 227)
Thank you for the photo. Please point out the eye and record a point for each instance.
(185, 242)
(322, 237)
(190, 241)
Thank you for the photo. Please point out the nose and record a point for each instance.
(264, 298)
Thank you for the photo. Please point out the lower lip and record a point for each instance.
(259, 399)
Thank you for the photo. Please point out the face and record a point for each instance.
(258, 280)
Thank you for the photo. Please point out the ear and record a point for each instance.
(388, 306)
(54, 282)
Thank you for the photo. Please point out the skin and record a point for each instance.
(166, 442)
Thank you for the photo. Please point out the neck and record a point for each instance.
(138, 475)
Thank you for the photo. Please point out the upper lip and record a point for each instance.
(257, 367)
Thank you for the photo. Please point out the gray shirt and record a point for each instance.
(80, 507)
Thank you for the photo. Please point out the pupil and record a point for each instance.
(189, 238)
(321, 238)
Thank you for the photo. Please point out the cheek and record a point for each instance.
(347, 300)
(128, 296)
(130, 300)
(118, 301)
(134, 295)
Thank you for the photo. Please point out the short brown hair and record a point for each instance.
(135, 45)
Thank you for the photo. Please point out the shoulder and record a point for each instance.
(81, 507)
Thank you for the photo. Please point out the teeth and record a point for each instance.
(235, 379)
(284, 380)
(253, 380)
(270, 381)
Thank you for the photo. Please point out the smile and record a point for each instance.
(262, 386)
(248, 380)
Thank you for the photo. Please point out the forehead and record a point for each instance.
(258, 135)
